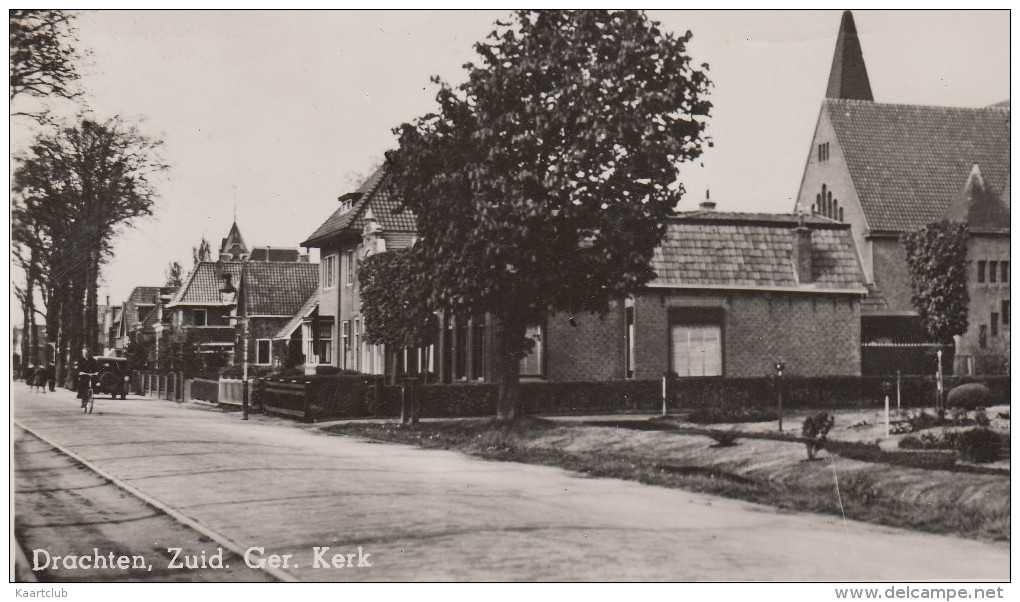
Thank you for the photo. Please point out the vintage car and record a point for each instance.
(114, 378)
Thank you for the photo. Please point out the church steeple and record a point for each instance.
(848, 77)
(233, 248)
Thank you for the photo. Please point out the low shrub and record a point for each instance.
(727, 414)
(816, 427)
(970, 396)
(723, 439)
(979, 445)
(930, 440)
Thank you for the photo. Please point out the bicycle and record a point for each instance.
(89, 401)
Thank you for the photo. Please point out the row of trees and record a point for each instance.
(540, 184)
(73, 189)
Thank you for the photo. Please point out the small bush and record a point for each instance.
(970, 396)
(724, 439)
(727, 414)
(911, 442)
(979, 445)
(982, 419)
(816, 428)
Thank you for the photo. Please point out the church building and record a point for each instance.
(886, 169)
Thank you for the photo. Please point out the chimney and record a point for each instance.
(708, 204)
(802, 251)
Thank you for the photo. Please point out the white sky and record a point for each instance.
(286, 110)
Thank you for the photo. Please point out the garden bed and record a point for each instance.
(757, 469)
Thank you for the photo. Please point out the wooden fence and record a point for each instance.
(159, 385)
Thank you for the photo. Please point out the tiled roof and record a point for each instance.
(203, 284)
(699, 251)
(373, 194)
(274, 254)
(145, 295)
(979, 205)
(299, 317)
(908, 162)
(278, 288)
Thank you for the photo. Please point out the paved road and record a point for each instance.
(435, 515)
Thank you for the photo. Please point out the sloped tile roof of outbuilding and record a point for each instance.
(753, 251)
(908, 162)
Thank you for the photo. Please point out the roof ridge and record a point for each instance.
(851, 101)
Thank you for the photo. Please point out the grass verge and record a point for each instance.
(763, 471)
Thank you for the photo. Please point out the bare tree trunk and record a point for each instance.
(508, 344)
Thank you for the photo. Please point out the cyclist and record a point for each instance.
(86, 368)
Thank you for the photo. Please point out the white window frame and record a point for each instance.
(269, 343)
(537, 333)
(346, 342)
(329, 271)
(693, 369)
(205, 316)
(350, 267)
(326, 358)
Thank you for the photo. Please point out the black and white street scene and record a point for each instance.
(511, 296)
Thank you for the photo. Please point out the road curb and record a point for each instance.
(184, 519)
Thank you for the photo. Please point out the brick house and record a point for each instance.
(735, 292)
(367, 221)
(260, 281)
(886, 169)
(202, 312)
(271, 293)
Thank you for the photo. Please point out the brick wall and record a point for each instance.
(986, 297)
(593, 350)
(813, 334)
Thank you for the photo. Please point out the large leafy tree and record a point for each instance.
(43, 56)
(937, 264)
(543, 182)
(76, 186)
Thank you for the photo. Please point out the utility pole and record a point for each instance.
(779, 392)
(244, 378)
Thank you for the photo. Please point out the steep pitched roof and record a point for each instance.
(848, 77)
(373, 194)
(233, 244)
(278, 288)
(142, 295)
(747, 251)
(907, 162)
(202, 287)
(306, 310)
(979, 205)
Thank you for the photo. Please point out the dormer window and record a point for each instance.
(347, 201)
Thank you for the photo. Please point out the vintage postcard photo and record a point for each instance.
(511, 296)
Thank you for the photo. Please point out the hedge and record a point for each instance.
(356, 395)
